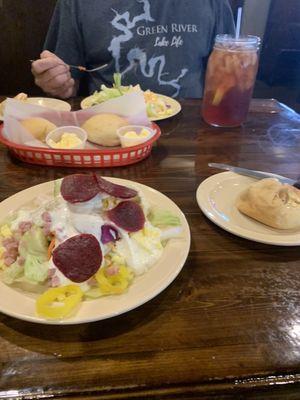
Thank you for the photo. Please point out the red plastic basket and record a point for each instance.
(87, 158)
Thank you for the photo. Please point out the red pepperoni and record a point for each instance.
(79, 257)
(119, 191)
(128, 215)
(78, 188)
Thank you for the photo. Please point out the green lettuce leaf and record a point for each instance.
(33, 248)
(159, 217)
(34, 242)
(12, 273)
(108, 93)
(57, 186)
(35, 270)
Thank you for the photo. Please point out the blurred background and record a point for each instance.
(24, 24)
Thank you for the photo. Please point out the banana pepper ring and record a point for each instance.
(115, 284)
(57, 303)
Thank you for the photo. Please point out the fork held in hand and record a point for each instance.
(80, 67)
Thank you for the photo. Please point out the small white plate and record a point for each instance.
(216, 197)
(55, 104)
(169, 101)
(21, 305)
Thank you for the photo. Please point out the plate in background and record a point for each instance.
(216, 196)
(55, 104)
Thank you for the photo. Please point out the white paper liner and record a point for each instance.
(131, 106)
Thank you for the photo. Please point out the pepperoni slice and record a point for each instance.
(79, 257)
(128, 215)
(78, 188)
(119, 191)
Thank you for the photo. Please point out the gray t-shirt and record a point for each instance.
(161, 44)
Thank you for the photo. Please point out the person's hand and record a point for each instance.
(53, 76)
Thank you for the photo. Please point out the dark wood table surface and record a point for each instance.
(227, 328)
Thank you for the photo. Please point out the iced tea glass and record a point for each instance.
(229, 81)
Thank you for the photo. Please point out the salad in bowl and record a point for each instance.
(157, 106)
(91, 239)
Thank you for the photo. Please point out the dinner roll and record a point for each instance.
(272, 203)
(102, 129)
(38, 127)
(20, 96)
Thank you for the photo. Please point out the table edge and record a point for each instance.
(230, 386)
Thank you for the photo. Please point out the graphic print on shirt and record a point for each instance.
(150, 66)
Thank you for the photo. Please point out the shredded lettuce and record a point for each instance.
(107, 93)
(159, 217)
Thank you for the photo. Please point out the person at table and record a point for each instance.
(162, 45)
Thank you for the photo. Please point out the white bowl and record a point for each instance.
(57, 133)
(128, 142)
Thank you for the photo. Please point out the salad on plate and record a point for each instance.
(91, 238)
(157, 106)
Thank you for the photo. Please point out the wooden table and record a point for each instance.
(227, 327)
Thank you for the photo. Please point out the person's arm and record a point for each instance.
(63, 46)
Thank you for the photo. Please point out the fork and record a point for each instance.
(84, 69)
(81, 68)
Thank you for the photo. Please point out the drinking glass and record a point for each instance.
(229, 80)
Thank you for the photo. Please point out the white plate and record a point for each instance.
(22, 305)
(216, 197)
(169, 101)
(174, 104)
(55, 104)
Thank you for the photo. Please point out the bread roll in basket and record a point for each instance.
(272, 203)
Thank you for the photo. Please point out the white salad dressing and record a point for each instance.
(92, 206)
(30, 214)
(23, 215)
(89, 223)
(60, 222)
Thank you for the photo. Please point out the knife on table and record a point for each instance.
(255, 174)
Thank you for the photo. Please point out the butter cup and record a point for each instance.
(129, 142)
(57, 133)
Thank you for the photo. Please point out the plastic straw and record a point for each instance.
(238, 22)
